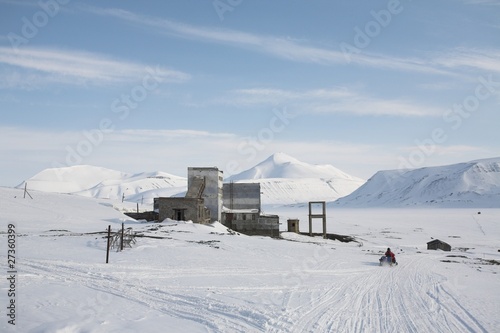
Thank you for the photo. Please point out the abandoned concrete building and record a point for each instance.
(202, 202)
(236, 205)
(206, 183)
(242, 211)
(182, 209)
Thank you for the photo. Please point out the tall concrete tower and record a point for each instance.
(212, 192)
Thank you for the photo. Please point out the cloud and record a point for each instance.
(484, 60)
(332, 100)
(172, 151)
(127, 150)
(28, 66)
(292, 50)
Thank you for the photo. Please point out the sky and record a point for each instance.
(163, 85)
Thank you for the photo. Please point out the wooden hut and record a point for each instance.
(437, 244)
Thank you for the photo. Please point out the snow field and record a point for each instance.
(197, 278)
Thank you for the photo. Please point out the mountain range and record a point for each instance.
(470, 184)
(286, 180)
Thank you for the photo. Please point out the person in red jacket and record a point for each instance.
(390, 255)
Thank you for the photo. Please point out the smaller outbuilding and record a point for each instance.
(437, 244)
(182, 209)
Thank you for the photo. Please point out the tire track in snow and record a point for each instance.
(215, 315)
(405, 298)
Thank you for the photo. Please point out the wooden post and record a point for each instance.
(310, 219)
(26, 191)
(109, 239)
(121, 243)
(324, 220)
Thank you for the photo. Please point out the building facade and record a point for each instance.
(242, 211)
(212, 188)
(182, 209)
(437, 244)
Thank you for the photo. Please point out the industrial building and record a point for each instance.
(242, 211)
(202, 202)
(235, 205)
(206, 183)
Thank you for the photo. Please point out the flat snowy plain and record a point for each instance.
(202, 278)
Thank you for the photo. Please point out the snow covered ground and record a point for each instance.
(186, 277)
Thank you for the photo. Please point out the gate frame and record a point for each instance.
(314, 216)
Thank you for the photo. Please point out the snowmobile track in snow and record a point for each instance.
(407, 298)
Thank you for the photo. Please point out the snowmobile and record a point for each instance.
(387, 261)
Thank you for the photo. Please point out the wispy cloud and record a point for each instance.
(485, 60)
(333, 100)
(287, 48)
(61, 66)
(483, 2)
(172, 151)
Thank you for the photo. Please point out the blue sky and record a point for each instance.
(163, 85)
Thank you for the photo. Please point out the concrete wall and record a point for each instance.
(241, 196)
(212, 194)
(253, 224)
(193, 209)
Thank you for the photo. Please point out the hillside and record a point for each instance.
(286, 180)
(470, 184)
(97, 182)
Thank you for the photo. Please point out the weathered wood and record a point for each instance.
(109, 239)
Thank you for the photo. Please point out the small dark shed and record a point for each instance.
(436, 244)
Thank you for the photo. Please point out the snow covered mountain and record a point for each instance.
(97, 182)
(470, 184)
(286, 180)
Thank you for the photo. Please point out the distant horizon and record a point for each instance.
(362, 86)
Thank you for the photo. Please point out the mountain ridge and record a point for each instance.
(467, 184)
(286, 180)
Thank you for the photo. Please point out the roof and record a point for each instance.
(437, 241)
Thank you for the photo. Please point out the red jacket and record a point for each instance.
(390, 254)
